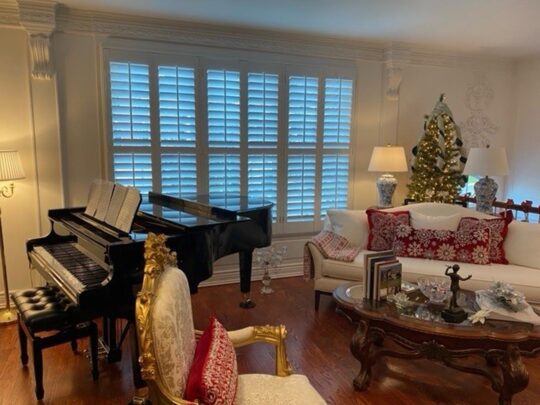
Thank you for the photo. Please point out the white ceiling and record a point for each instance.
(493, 27)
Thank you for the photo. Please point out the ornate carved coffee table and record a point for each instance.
(420, 332)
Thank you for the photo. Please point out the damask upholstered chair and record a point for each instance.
(170, 347)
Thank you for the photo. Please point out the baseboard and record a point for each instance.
(3, 299)
(230, 274)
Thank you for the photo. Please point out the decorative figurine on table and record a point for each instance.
(454, 314)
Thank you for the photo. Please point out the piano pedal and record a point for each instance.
(103, 351)
(138, 400)
(246, 302)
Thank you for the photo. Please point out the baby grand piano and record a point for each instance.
(100, 268)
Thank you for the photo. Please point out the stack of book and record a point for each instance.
(382, 275)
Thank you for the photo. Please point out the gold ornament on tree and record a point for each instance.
(438, 159)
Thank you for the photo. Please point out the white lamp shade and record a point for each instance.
(10, 165)
(388, 159)
(486, 162)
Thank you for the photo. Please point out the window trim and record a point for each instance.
(202, 58)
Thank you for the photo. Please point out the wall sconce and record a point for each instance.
(10, 169)
(386, 160)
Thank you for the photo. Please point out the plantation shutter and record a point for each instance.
(336, 143)
(302, 134)
(130, 126)
(262, 118)
(280, 134)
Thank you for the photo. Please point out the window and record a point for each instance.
(276, 135)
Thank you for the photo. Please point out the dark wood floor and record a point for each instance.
(318, 346)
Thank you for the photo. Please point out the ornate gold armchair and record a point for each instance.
(167, 340)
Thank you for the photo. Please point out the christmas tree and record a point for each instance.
(439, 159)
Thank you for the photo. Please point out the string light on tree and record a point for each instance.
(439, 158)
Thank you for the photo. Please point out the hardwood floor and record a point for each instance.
(317, 344)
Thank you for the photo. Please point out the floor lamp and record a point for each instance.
(10, 169)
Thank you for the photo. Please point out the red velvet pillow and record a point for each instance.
(498, 229)
(462, 246)
(382, 226)
(214, 373)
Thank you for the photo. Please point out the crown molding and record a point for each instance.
(157, 29)
(9, 15)
(76, 21)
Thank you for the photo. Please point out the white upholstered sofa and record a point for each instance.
(522, 248)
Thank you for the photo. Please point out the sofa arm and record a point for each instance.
(317, 259)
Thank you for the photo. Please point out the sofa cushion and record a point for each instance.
(351, 224)
(522, 244)
(447, 223)
(382, 227)
(462, 246)
(498, 228)
(266, 389)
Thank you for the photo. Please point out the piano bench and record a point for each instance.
(46, 309)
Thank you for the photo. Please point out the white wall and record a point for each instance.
(524, 181)
(421, 88)
(19, 213)
(77, 58)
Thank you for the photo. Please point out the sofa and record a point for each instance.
(521, 245)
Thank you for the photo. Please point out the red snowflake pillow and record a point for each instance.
(214, 373)
(461, 246)
(382, 225)
(498, 229)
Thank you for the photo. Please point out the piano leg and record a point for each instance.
(246, 258)
(115, 352)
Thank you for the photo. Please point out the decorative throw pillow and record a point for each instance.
(446, 223)
(498, 229)
(382, 225)
(462, 246)
(214, 374)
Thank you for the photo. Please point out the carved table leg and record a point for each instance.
(514, 374)
(361, 349)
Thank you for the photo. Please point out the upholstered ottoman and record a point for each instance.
(46, 309)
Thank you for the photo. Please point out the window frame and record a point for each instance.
(245, 62)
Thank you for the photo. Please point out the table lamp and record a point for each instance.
(486, 162)
(387, 159)
(10, 169)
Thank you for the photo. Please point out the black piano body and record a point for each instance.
(107, 271)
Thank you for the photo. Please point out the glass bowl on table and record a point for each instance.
(436, 289)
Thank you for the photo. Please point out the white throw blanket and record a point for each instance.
(332, 246)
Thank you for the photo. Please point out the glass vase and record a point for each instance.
(266, 280)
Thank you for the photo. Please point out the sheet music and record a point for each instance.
(129, 209)
(117, 200)
(105, 198)
(93, 198)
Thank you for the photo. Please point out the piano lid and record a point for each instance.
(215, 206)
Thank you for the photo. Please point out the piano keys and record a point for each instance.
(100, 267)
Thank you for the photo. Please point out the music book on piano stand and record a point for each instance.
(116, 204)
(130, 207)
(93, 198)
(106, 191)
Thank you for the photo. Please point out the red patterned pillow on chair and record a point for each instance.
(382, 225)
(498, 229)
(461, 246)
(214, 374)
